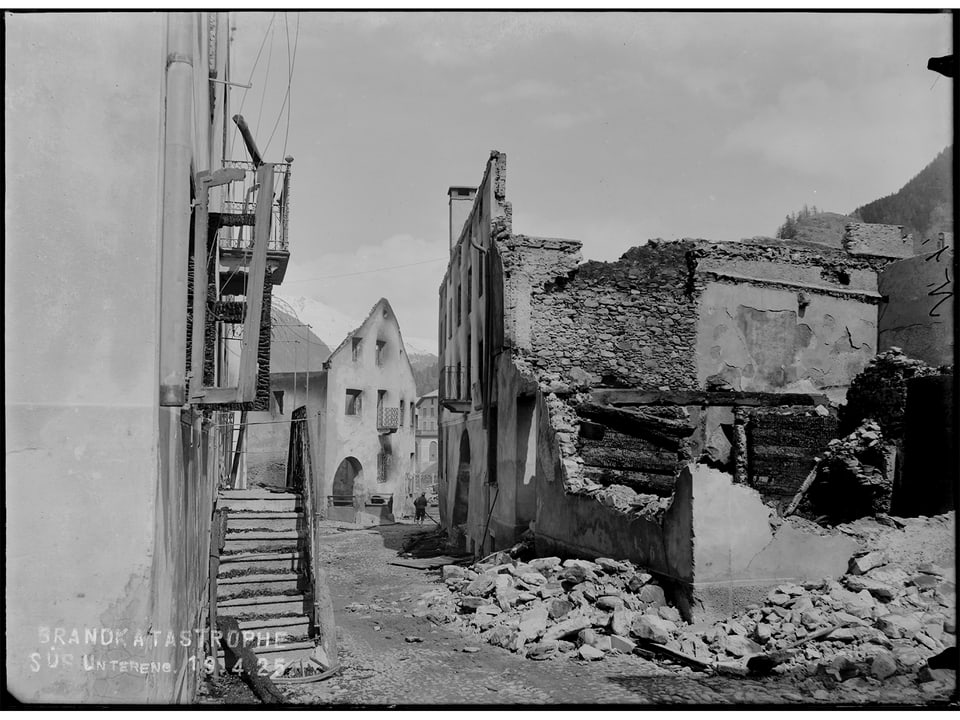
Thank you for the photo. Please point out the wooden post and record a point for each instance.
(241, 435)
(247, 387)
(218, 531)
(234, 650)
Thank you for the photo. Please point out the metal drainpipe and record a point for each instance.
(175, 236)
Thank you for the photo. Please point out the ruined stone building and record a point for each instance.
(578, 397)
(130, 268)
(367, 422)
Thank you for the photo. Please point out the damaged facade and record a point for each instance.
(367, 422)
(587, 401)
(139, 277)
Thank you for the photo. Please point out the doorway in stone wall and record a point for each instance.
(340, 505)
(461, 501)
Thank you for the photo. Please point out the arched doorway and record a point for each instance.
(349, 473)
(461, 502)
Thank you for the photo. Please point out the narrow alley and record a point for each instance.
(375, 601)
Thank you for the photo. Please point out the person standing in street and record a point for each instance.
(420, 504)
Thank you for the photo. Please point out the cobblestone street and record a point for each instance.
(381, 668)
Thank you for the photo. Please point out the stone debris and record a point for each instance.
(888, 621)
(548, 607)
(855, 476)
(880, 622)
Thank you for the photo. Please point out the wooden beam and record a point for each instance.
(255, 280)
(200, 243)
(216, 395)
(663, 432)
(236, 650)
(235, 470)
(632, 396)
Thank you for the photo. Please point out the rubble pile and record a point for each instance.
(855, 476)
(880, 392)
(547, 607)
(879, 620)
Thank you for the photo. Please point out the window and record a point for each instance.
(413, 418)
(469, 289)
(278, 398)
(483, 263)
(450, 319)
(459, 306)
(353, 402)
(381, 344)
(356, 348)
(403, 409)
(433, 451)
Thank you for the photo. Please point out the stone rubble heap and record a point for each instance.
(888, 619)
(547, 607)
(855, 477)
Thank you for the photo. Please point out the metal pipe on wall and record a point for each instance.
(175, 234)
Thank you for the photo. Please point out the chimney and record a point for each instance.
(461, 202)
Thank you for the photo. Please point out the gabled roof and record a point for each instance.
(380, 305)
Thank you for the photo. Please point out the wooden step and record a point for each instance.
(293, 625)
(265, 584)
(273, 656)
(260, 541)
(273, 521)
(261, 605)
(259, 501)
(261, 562)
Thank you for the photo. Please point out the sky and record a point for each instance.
(618, 127)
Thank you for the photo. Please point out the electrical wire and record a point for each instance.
(296, 41)
(266, 76)
(286, 97)
(366, 272)
(250, 79)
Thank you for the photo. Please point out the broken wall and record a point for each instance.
(588, 523)
(771, 339)
(741, 548)
(917, 310)
(878, 240)
(626, 323)
(782, 446)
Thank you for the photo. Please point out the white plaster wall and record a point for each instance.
(84, 101)
(819, 350)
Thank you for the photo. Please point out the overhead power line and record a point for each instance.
(367, 272)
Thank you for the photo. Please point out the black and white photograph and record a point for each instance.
(490, 359)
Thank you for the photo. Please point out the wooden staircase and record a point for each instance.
(263, 575)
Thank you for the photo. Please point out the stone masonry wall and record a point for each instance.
(630, 323)
(783, 444)
(878, 240)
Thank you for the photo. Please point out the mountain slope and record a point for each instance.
(924, 205)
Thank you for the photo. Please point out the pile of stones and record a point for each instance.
(547, 607)
(855, 476)
(878, 621)
(880, 391)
